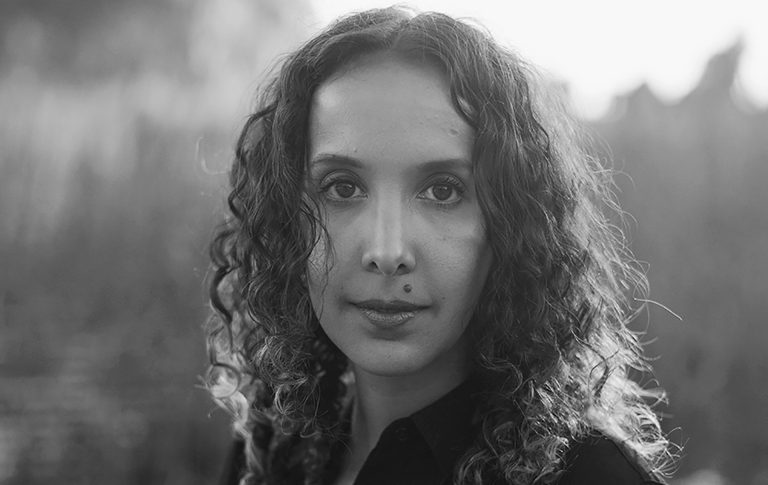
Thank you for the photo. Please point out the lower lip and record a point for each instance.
(387, 319)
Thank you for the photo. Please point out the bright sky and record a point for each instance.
(604, 47)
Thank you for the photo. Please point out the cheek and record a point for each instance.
(324, 267)
(318, 261)
(461, 251)
(463, 268)
(318, 275)
(334, 249)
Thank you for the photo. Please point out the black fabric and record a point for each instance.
(234, 464)
(424, 448)
(601, 460)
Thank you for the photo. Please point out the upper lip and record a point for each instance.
(389, 306)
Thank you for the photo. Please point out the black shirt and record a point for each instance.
(424, 447)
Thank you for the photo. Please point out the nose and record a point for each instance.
(387, 248)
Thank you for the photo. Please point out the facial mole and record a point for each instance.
(453, 131)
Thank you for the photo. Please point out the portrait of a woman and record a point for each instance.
(421, 279)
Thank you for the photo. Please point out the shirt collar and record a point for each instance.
(446, 425)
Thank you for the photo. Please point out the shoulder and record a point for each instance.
(599, 459)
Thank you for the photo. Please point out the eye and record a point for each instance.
(341, 189)
(445, 191)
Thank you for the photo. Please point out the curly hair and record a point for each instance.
(552, 349)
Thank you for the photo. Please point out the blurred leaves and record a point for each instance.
(116, 133)
(694, 180)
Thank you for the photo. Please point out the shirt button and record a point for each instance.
(402, 434)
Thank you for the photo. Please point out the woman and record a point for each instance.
(418, 283)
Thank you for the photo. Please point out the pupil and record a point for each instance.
(345, 190)
(442, 191)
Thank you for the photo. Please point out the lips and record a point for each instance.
(389, 306)
(388, 314)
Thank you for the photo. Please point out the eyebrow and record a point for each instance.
(334, 159)
(428, 166)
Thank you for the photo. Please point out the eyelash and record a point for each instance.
(447, 180)
(334, 179)
(451, 182)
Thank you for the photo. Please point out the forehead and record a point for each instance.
(383, 103)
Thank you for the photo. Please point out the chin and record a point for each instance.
(393, 362)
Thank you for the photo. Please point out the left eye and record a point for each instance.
(442, 192)
(342, 189)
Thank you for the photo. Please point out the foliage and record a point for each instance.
(694, 180)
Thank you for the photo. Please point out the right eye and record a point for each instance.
(342, 190)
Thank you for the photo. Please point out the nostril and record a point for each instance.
(388, 256)
(387, 268)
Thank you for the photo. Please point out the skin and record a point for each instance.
(390, 162)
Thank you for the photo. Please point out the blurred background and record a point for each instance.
(117, 127)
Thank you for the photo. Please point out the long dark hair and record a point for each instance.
(552, 347)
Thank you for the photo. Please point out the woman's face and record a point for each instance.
(390, 163)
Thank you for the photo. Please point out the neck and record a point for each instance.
(382, 399)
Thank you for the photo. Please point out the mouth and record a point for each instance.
(387, 314)
(389, 306)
